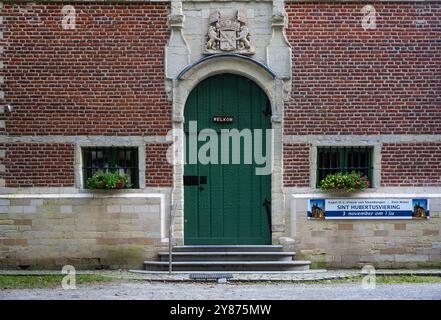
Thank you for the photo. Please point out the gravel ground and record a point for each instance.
(265, 291)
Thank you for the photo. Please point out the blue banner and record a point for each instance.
(322, 209)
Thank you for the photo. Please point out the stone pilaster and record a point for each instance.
(177, 51)
(278, 52)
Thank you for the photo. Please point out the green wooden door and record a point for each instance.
(226, 203)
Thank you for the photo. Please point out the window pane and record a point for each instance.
(114, 159)
(331, 160)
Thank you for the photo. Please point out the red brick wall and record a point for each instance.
(104, 77)
(412, 164)
(39, 165)
(159, 173)
(296, 165)
(351, 81)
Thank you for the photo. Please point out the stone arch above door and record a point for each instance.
(262, 75)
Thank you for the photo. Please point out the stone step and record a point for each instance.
(228, 256)
(228, 265)
(228, 248)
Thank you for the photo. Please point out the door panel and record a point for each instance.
(229, 207)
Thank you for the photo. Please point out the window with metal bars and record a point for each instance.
(331, 160)
(111, 159)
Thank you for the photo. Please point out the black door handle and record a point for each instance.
(267, 204)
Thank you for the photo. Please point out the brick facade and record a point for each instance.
(382, 243)
(84, 232)
(39, 165)
(110, 80)
(296, 165)
(159, 173)
(350, 81)
(411, 164)
(105, 82)
(103, 78)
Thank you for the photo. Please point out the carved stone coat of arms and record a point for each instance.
(228, 34)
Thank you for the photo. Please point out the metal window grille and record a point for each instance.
(111, 159)
(331, 160)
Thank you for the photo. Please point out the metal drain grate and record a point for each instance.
(210, 276)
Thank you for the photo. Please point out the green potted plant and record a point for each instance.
(348, 182)
(107, 180)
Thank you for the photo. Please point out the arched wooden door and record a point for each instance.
(226, 203)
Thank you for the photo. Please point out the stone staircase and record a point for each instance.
(228, 258)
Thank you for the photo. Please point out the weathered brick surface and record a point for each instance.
(296, 165)
(104, 77)
(383, 243)
(32, 165)
(345, 226)
(351, 81)
(96, 233)
(159, 173)
(400, 226)
(411, 164)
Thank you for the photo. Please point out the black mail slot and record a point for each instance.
(191, 181)
(203, 180)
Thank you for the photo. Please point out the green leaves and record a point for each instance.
(344, 181)
(108, 180)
